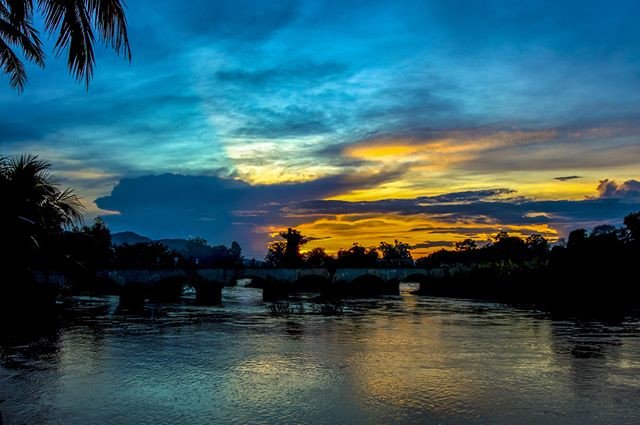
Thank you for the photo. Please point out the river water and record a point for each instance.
(405, 359)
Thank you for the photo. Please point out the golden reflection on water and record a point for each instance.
(391, 369)
(406, 359)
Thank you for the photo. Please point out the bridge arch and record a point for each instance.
(272, 289)
(256, 281)
(416, 277)
(369, 284)
(312, 283)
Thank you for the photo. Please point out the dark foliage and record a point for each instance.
(74, 24)
(396, 254)
(198, 253)
(145, 255)
(287, 253)
(594, 272)
(358, 256)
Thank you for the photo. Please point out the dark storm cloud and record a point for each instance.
(223, 209)
(432, 244)
(220, 209)
(439, 204)
(507, 211)
(566, 178)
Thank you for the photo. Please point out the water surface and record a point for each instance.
(405, 359)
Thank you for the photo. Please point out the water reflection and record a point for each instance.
(399, 359)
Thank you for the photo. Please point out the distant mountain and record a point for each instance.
(132, 237)
(128, 238)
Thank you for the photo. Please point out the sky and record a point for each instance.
(353, 121)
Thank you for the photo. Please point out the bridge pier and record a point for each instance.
(132, 296)
(168, 289)
(274, 290)
(208, 293)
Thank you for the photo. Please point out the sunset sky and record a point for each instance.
(353, 121)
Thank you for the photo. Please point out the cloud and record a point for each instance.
(567, 178)
(238, 20)
(509, 211)
(629, 189)
(350, 100)
(220, 209)
(285, 74)
(290, 121)
(432, 244)
(223, 209)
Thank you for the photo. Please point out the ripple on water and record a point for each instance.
(403, 359)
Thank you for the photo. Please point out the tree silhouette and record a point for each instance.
(358, 256)
(577, 238)
(604, 231)
(145, 254)
(466, 245)
(396, 253)
(317, 257)
(632, 223)
(34, 206)
(98, 251)
(235, 251)
(295, 240)
(537, 245)
(30, 193)
(506, 247)
(74, 23)
(275, 253)
(286, 254)
(197, 250)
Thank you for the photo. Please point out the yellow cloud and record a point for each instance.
(341, 231)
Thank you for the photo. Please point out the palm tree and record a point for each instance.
(75, 23)
(34, 206)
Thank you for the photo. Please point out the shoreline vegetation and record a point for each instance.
(593, 272)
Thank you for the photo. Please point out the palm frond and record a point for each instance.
(71, 20)
(20, 10)
(70, 206)
(35, 194)
(12, 66)
(25, 37)
(111, 22)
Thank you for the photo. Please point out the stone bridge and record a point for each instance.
(275, 282)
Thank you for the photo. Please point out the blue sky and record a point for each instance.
(255, 108)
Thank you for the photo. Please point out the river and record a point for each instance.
(405, 359)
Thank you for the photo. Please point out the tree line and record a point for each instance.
(42, 230)
(287, 253)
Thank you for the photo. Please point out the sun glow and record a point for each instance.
(426, 234)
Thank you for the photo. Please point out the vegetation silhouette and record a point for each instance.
(75, 24)
(287, 253)
(592, 272)
(358, 256)
(34, 213)
(44, 235)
